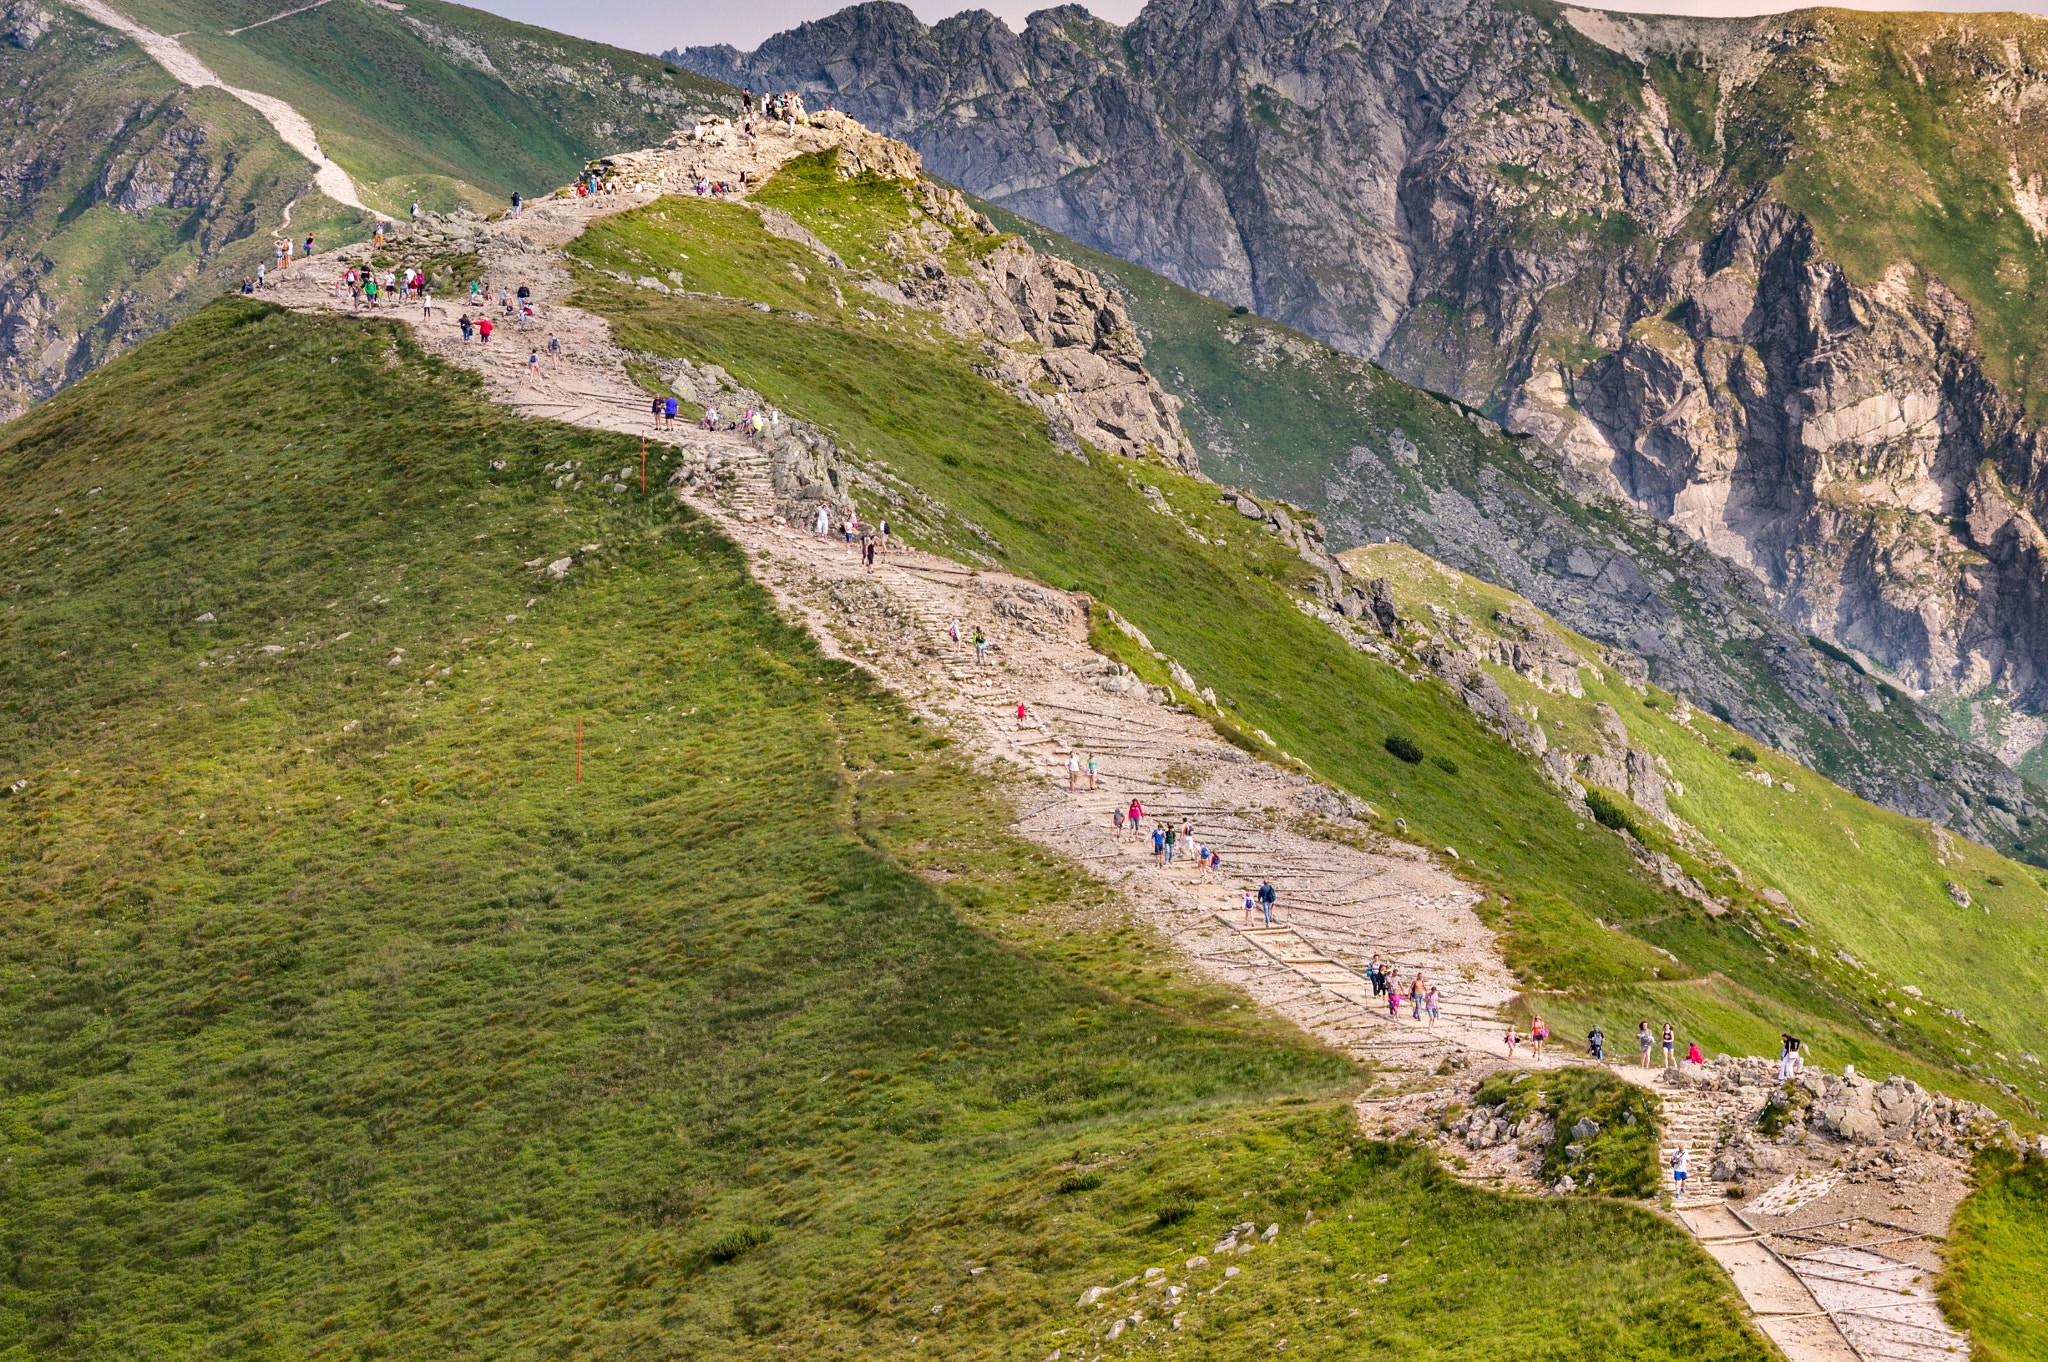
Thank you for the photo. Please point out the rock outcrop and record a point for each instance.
(1053, 333)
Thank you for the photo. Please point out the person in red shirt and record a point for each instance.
(484, 328)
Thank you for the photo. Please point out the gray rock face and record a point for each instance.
(1500, 203)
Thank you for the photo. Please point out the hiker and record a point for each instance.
(1020, 715)
(709, 421)
(466, 324)
(1171, 843)
(1073, 771)
(1679, 1168)
(259, 275)
(1429, 1006)
(1539, 1031)
(483, 331)
(654, 408)
(1393, 1001)
(248, 284)
(1415, 996)
(825, 527)
(1784, 1055)
(1091, 770)
(1116, 819)
(1670, 1044)
(415, 210)
(1510, 1040)
(1158, 845)
(532, 365)
(1645, 1041)
(668, 413)
(981, 649)
(1693, 1055)
(1136, 814)
(517, 203)
(867, 553)
(1267, 894)
(1596, 1043)
(555, 352)
(1373, 975)
(308, 251)
(1248, 901)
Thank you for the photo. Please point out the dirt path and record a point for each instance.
(1344, 894)
(183, 65)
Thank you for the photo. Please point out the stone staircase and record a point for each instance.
(1696, 1120)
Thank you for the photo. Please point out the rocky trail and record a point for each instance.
(1835, 1262)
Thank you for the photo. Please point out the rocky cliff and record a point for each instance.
(1765, 278)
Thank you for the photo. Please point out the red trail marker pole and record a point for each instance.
(579, 749)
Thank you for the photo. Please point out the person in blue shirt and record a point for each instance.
(669, 414)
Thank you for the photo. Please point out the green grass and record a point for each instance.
(338, 1018)
(1998, 1252)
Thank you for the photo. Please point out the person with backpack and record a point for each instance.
(1267, 896)
(517, 202)
(466, 324)
(980, 646)
(1596, 1043)
(1171, 844)
(1248, 902)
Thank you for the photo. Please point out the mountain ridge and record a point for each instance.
(1670, 247)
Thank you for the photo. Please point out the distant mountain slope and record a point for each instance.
(1378, 459)
(133, 200)
(1772, 279)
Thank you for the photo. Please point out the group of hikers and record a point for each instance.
(871, 541)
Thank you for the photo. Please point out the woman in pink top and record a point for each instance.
(1137, 812)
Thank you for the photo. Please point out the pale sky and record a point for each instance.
(651, 27)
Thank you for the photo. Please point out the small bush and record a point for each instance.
(1993, 879)
(1404, 748)
(1444, 764)
(1239, 311)
(736, 1242)
(1078, 1182)
(1612, 811)
(1742, 752)
(1172, 1211)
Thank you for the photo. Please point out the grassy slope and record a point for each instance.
(411, 118)
(1998, 1254)
(1864, 880)
(338, 1018)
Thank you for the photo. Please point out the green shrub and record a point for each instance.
(1444, 764)
(1078, 1182)
(1998, 1251)
(737, 1242)
(1172, 1211)
(1743, 753)
(1613, 811)
(1404, 748)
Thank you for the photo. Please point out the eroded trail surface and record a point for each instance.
(1344, 895)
